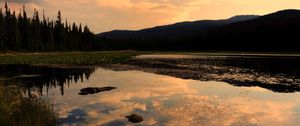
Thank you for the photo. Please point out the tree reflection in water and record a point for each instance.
(33, 79)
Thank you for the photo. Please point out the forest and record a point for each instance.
(18, 32)
(277, 31)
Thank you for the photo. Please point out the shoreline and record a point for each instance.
(235, 71)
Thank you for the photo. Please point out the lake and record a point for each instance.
(168, 98)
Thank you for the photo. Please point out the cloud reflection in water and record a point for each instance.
(164, 100)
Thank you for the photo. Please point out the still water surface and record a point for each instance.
(159, 99)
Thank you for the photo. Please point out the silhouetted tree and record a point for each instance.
(2, 31)
(21, 33)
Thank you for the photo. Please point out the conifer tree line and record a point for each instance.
(18, 32)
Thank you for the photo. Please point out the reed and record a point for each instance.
(17, 111)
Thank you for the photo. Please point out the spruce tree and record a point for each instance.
(20, 33)
(2, 31)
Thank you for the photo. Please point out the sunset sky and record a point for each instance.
(106, 15)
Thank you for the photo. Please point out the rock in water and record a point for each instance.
(104, 89)
(134, 118)
(83, 93)
(92, 90)
(89, 90)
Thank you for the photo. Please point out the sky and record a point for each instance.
(107, 15)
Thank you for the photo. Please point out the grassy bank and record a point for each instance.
(107, 57)
(17, 111)
(77, 58)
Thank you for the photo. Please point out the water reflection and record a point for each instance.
(161, 100)
(35, 78)
(164, 100)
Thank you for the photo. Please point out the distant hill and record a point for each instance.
(173, 30)
(277, 31)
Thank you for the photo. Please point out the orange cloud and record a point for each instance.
(105, 15)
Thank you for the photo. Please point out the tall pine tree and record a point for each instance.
(20, 33)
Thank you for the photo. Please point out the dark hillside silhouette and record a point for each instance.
(125, 39)
(278, 31)
(273, 32)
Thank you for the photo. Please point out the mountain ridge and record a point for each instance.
(236, 18)
(276, 31)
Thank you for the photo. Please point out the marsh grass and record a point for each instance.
(77, 58)
(17, 111)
